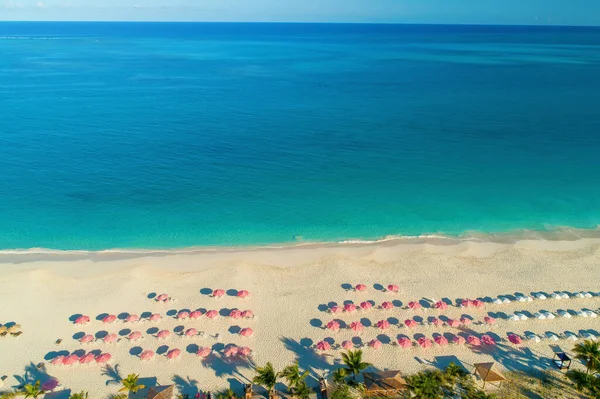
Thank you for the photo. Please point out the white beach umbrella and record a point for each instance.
(587, 294)
(579, 295)
(540, 316)
(571, 337)
(564, 313)
(564, 295)
(540, 296)
(521, 299)
(581, 313)
(552, 337)
(532, 337)
(549, 316)
(506, 300)
(523, 317)
(591, 314)
(497, 301)
(554, 295)
(513, 317)
(590, 336)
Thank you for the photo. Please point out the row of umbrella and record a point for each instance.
(163, 334)
(228, 351)
(357, 326)
(71, 359)
(184, 314)
(390, 288)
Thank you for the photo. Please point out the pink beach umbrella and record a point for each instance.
(135, 335)
(424, 342)
(441, 340)
(247, 314)
(162, 298)
(50, 384)
(383, 324)
(366, 305)
(82, 320)
(155, 317)
(410, 323)
(357, 326)
(111, 338)
(436, 322)
(58, 360)
(349, 307)
(245, 351)
(211, 314)
(453, 323)
(173, 353)
(203, 352)
(132, 318)
(147, 354)
(247, 332)
(393, 288)
(375, 344)
(360, 287)
(414, 305)
(86, 338)
(515, 339)
(109, 319)
(190, 332)
(71, 359)
(235, 314)
(466, 321)
(489, 320)
(473, 340)
(230, 351)
(218, 293)
(336, 309)
(466, 303)
(387, 305)
(103, 358)
(163, 334)
(87, 358)
(184, 314)
(441, 305)
(196, 314)
(404, 342)
(488, 340)
(323, 346)
(478, 303)
(242, 294)
(347, 345)
(458, 340)
(333, 325)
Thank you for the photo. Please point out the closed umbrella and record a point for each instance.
(86, 338)
(247, 332)
(163, 334)
(387, 305)
(366, 305)
(375, 344)
(393, 288)
(323, 346)
(211, 314)
(242, 294)
(147, 354)
(383, 324)
(135, 335)
(333, 325)
(109, 319)
(190, 332)
(218, 293)
(173, 353)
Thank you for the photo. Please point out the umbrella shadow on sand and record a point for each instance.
(308, 358)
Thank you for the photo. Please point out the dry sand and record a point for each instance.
(290, 287)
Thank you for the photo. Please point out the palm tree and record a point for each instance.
(130, 384)
(452, 373)
(79, 395)
(339, 375)
(354, 363)
(266, 377)
(589, 352)
(10, 394)
(427, 384)
(293, 375)
(32, 390)
(226, 394)
(302, 391)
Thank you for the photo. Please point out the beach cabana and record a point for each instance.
(161, 392)
(488, 372)
(384, 383)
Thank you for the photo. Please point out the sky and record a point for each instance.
(546, 12)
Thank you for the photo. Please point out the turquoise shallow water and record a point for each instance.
(177, 135)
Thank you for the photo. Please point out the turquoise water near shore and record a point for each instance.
(175, 135)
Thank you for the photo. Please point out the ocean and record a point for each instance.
(162, 136)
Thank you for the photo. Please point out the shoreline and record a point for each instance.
(562, 233)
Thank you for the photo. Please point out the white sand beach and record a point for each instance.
(291, 289)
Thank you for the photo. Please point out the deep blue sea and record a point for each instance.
(128, 135)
